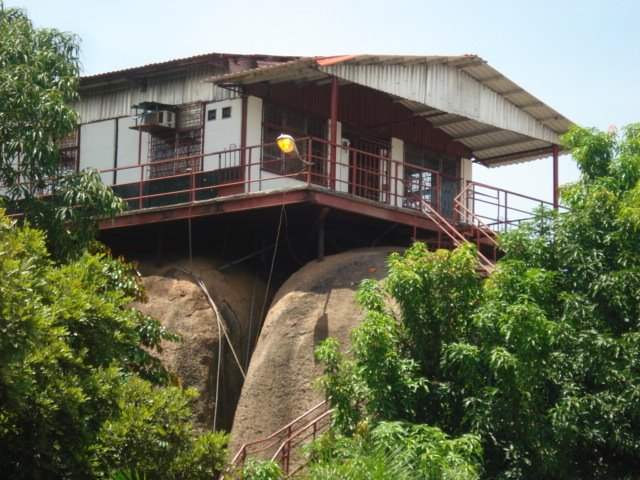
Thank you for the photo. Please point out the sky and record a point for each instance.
(581, 57)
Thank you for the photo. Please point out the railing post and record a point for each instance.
(140, 189)
(192, 181)
(248, 167)
(506, 211)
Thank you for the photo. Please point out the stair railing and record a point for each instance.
(281, 441)
(485, 265)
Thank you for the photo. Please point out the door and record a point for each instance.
(368, 162)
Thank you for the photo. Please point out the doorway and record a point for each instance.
(369, 167)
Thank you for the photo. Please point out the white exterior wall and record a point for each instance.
(260, 180)
(466, 170)
(396, 189)
(128, 141)
(342, 160)
(222, 134)
(97, 147)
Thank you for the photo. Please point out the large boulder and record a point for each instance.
(180, 304)
(316, 302)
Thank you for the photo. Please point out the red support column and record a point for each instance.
(243, 136)
(333, 161)
(556, 186)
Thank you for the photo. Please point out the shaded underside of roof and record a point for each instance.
(470, 101)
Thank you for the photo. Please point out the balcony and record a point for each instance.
(441, 209)
(357, 180)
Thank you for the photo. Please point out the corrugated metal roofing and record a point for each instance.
(463, 96)
(182, 62)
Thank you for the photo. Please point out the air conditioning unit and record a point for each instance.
(163, 118)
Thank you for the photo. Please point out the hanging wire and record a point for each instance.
(286, 229)
(273, 262)
(221, 331)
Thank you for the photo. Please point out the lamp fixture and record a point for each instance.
(287, 144)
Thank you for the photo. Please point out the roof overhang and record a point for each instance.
(470, 101)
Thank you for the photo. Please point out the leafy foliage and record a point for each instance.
(396, 450)
(71, 212)
(539, 361)
(73, 355)
(81, 394)
(255, 469)
(151, 433)
(38, 78)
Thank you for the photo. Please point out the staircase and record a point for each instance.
(282, 446)
(480, 212)
(485, 266)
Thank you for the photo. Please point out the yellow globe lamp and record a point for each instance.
(287, 144)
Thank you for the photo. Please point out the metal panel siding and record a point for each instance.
(446, 88)
(189, 88)
(128, 142)
(97, 147)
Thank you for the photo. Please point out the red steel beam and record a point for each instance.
(227, 205)
(382, 212)
(251, 202)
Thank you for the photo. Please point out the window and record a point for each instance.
(431, 177)
(68, 148)
(278, 120)
(226, 112)
(211, 114)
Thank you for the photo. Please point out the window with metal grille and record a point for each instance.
(431, 177)
(279, 120)
(183, 141)
(69, 152)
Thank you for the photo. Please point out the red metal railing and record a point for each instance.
(281, 444)
(456, 236)
(201, 177)
(352, 172)
(495, 209)
(289, 455)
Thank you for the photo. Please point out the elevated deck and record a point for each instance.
(356, 183)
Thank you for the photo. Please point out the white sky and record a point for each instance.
(581, 57)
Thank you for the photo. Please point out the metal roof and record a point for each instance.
(225, 60)
(473, 103)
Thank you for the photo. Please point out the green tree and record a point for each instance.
(540, 360)
(80, 394)
(38, 78)
(38, 87)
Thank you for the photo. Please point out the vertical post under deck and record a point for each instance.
(333, 161)
(556, 186)
(321, 219)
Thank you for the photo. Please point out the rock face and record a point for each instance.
(316, 302)
(176, 300)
